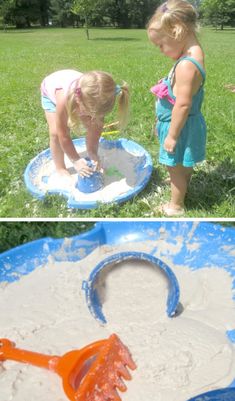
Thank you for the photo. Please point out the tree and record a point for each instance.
(61, 12)
(5, 7)
(218, 12)
(24, 12)
(127, 13)
(44, 12)
(84, 8)
(140, 11)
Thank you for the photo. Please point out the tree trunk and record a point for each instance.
(86, 27)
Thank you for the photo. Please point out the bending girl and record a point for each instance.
(71, 98)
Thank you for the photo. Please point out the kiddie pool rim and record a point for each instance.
(110, 232)
(127, 144)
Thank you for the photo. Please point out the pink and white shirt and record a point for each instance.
(62, 79)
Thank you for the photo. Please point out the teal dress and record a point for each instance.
(191, 144)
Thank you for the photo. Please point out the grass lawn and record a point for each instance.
(27, 56)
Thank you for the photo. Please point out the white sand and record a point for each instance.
(177, 358)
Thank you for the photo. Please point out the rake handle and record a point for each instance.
(111, 125)
(8, 351)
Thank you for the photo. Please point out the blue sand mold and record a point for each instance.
(90, 288)
(226, 394)
(92, 183)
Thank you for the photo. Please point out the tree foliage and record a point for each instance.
(60, 11)
(116, 13)
(84, 9)
(127, 13)
(218, 12)
(22, 13)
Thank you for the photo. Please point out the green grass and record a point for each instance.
(18, 233)
(27, 56)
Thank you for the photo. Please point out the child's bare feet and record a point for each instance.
(63, 172)
(169, 210)
(65, 176)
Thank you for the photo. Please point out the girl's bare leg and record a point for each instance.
(56, 151)
(180, 177)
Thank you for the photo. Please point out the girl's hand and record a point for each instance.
(97, 163)
(82, 168)
(170, 144)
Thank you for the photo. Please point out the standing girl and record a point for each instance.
(181, 127)
(70, 98)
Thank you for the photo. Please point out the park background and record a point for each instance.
(70, 35)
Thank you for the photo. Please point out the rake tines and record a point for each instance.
(106, 375)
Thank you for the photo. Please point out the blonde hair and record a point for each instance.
(96, 92)
(174, 18)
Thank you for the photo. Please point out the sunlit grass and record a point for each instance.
(27, 56)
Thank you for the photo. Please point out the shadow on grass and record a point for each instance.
(227, 30)
(212, 185)
(157, 177)
(117, 39)
(17, 31)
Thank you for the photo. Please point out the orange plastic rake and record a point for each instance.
(93, 373)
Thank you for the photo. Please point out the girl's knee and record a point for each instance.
(53, 134)
(180, 169)
(172, 170)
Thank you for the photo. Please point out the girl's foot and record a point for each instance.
(170, 211)
(167, 181)
(63, 172)
(64, 178)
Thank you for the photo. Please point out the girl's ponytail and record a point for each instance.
(123, 104)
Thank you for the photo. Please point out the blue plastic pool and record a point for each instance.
(142, 169)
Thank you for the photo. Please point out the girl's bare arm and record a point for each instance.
(185, 77)
(94, 129)
(187, 84)
(63, 133)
